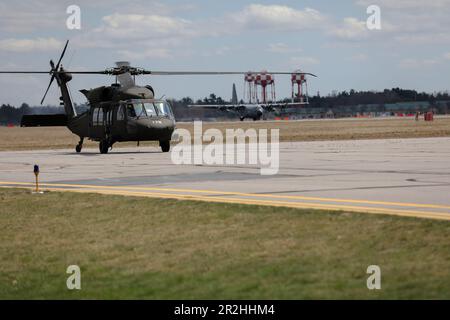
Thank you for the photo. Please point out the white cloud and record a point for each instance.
(141, 31)
(413, 22)
(422, 39)
(406, 4)
(139, 36)
(350, 29)
(151, 25)
(276, 18)
(143, 27)
(30, 45)
(25, 16)
(152, 28)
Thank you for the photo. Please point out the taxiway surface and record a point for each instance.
(409, 177)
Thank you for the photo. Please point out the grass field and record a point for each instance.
(339, 129)
(130, 247)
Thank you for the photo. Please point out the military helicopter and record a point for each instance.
(120, 112)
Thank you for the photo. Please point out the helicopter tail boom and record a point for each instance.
(44, 120)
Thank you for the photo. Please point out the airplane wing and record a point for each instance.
(273, 106)
(222, 107)
(269, 107)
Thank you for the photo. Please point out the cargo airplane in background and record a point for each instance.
(255, 111)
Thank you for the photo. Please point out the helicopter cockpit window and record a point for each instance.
(139, 110)
(150, 109)
(163, 108)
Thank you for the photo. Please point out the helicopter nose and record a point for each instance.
(157, 129)
(160, 124)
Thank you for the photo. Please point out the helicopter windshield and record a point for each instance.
(163, 108)
(149, 109)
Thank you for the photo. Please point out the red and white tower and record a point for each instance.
(249, 92)
(265, 79)
(298, 80)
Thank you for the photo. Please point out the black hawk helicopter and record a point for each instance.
(120, 112)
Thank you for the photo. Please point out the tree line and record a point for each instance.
(12, 115)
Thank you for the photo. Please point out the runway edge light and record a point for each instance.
(36, 174)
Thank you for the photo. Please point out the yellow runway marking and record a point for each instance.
(144, 192)
(265, 195)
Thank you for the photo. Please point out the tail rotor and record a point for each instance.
(54, 69)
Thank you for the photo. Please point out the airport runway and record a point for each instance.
(408, 177)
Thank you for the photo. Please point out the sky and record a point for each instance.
(327, 38)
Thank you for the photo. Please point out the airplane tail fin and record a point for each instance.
(234, 98)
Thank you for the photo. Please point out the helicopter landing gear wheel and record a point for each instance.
(103, 146)
(79, 146)
(165, 146)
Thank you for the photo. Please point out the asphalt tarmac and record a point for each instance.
(407, 177)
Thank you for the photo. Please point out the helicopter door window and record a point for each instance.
(130, 111)
(109, 118)
(120, 114)
(100, 117)
(95, 116)
(150, 109)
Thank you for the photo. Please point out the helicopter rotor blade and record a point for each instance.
(158, 73)
(24, 72)
(62, 55)
(89, 72)
(47, 72)
(183, 73)
(193, 73)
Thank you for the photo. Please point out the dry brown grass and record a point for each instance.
(342, 129)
